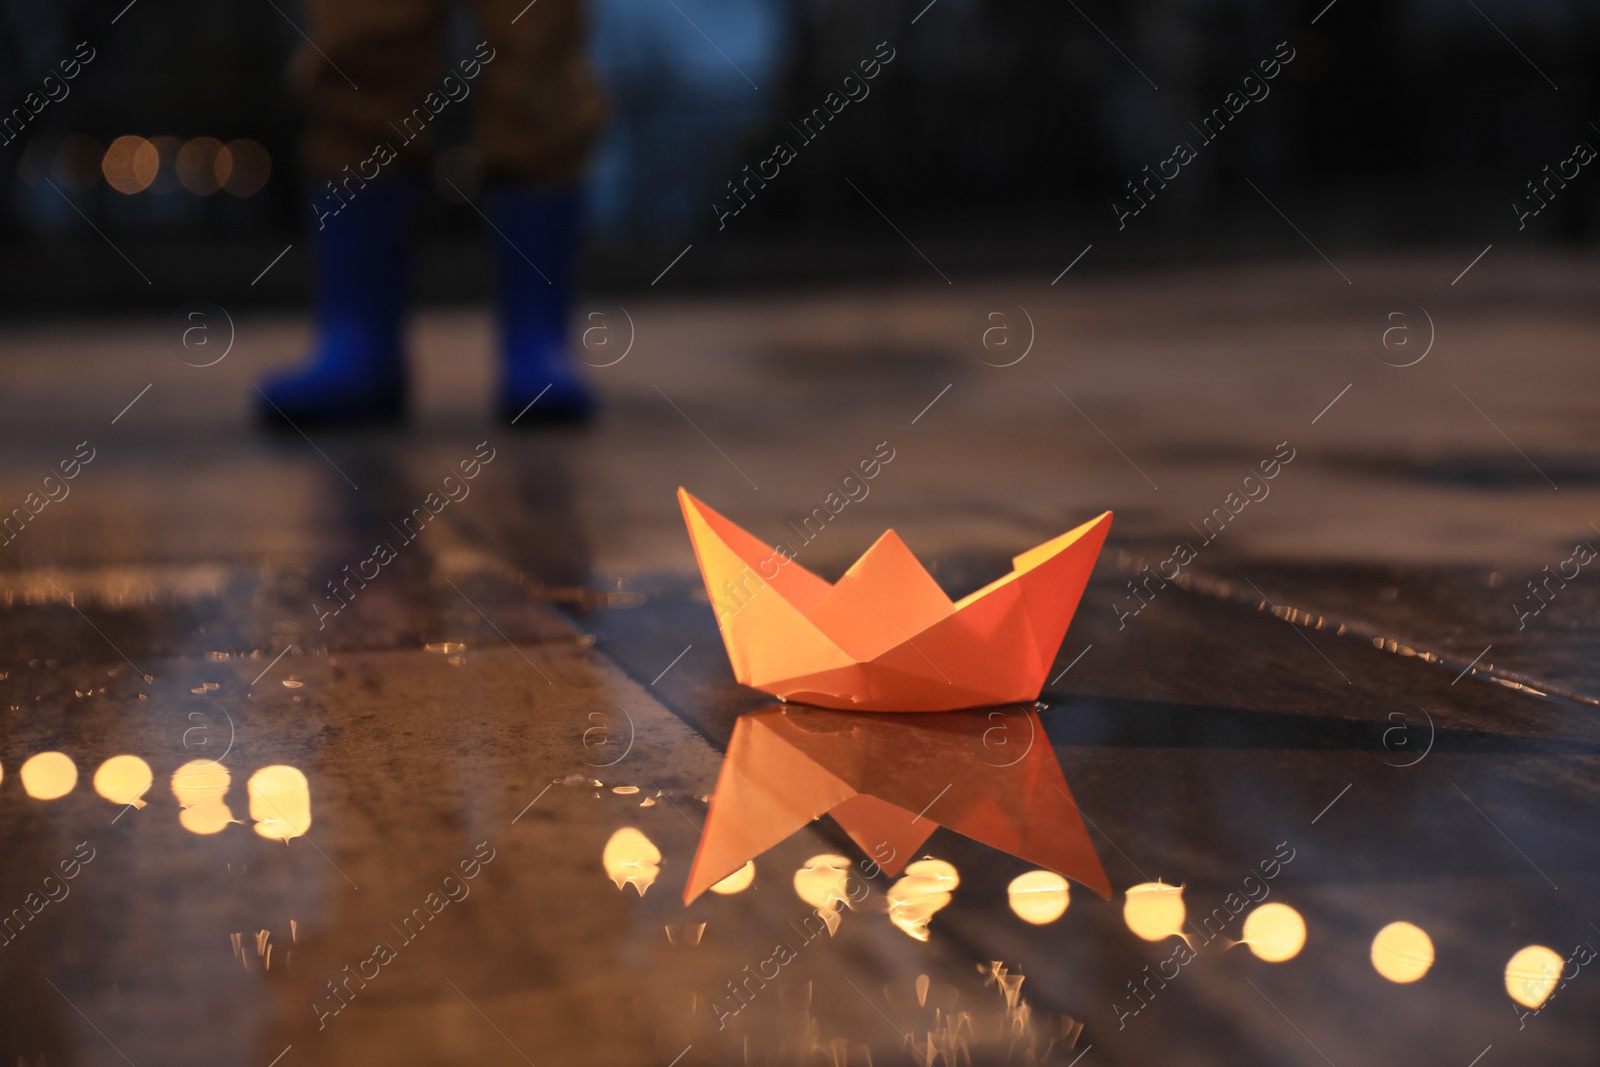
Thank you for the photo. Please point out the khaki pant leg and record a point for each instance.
(389, 50)
(539, 105)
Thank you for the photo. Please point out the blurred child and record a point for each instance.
(375, 89)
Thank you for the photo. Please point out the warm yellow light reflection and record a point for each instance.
(1039, 897)
(738, 881)
(123, 780)
(686, 936)
(49, 775)
(130, 164)
(206, 819)
(280, 802)
(821, 883)
(919, 894)
(1154, 910)
(200, 786)
(1531, 975)
(1402, 952)
(630, 858)
(1275, 932)
(201, 781)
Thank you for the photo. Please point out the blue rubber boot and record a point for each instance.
(357, 373)
(535, 252)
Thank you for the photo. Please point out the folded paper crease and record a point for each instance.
(885, 637)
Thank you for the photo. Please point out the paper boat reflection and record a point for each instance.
(988, 775)
(886, 637)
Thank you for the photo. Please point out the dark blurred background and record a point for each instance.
(995, 140)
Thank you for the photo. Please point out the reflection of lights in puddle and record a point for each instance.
(1154, 910)
(1010, 984)
(738, 881)
(956, 1025)
(821, 883)
(1039, 897)
(1275, 932)
(280, 797)
(49, 775)
(919, 894)
(200, 786)
(280, 802)
(686, 936)
(263, 943)
(630, 858)
(123, 780)
(625, 790)
(1402, 952)
(1531, 975)
(445, 648)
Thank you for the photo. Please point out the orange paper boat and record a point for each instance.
(886, 637)
(991, 776)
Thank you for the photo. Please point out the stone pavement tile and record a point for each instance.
(414, 764)
(1198, 736)
(1199, 739)
(1191, 648)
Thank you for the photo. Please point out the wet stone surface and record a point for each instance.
(452, 821)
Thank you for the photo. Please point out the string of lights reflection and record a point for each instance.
(132, 164)
(280, 808)
(280, 795)
(1273, 932)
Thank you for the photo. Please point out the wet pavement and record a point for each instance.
(446, 812)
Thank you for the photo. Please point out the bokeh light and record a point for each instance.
(49, 775)
(1155, 910)
(200, 786)
(123, 780)
(1275, 932)
(738, 881)
(280, 802)
(1531, 975)
(919, 894)
(822, 882)
(1402, 952)
(630, 858)
(1039, 897)
(130, 164)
